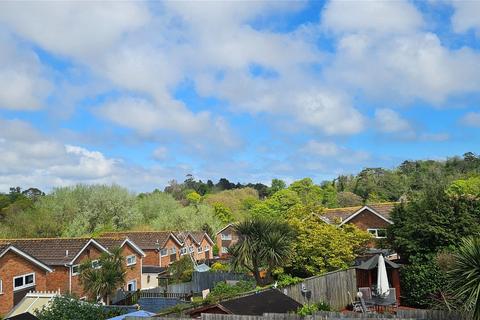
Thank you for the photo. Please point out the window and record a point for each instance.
(183, 251)
(224, 250)
(96, 264)
(1, 286)
(25, 281)
(378, 233)
(131, 260)
(190, 249)
(75, 270)
(173, 250)
(226, 236)
(200, 249)
(132, 285)
(163, 252)
(207, 247)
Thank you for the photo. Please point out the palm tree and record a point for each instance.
(261, 244)
(103, 280)
(464, 275)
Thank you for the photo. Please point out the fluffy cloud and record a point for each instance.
(389, 121)
(465, 16)
(371, 16)
(74, 28)
(23, 81)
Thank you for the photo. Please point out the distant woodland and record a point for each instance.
(195, 204)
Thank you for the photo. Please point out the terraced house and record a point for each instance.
(164, 247)
(52, 264)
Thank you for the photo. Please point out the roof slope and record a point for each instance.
(51, 251)
(269, 301)
(338, 215)
(143, 239)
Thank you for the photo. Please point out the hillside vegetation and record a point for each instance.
(89, 209)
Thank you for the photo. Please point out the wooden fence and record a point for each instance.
(208, 280)
(332, 287)
(325, 315)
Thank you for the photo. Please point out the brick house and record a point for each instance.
(19, 273)
(164, 247)
(63, 257)
(225, 238)
(373, 218)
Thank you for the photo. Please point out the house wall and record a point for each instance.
(151, 257)
(134, 272)
(205, 254)
(12, 265)
(90, 253)
(366, 219)
(149, 280)
(169, 258)
(226, 243)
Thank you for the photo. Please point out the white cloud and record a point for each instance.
(371, 16)
(465, 16)
(389, 121)
(74, 28)
(160, 153)
(22, 78)
(471, 119)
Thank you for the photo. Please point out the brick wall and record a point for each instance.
(226, 243)
(134, 272)
(169, 245)
(12, 265)
(367, 219)
(90, 253)
(151, 257)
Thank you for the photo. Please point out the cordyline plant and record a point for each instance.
(103, 279)
(464, 275)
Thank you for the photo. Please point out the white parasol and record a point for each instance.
(383, 288)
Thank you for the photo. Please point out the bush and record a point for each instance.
(223, 290)
(70, 308)
(421, 283)
(309, 309)
(285, 280)
(219, 267)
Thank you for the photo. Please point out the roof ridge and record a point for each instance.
(361, 206)
(49, 238)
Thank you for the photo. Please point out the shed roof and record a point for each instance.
(372, 263)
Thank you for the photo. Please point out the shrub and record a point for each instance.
(309, 309)
(223, 290)
(285, 280)
(217, 266)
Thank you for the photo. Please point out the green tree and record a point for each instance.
(276, 185)
(156, 204)
(308, 192)
(262, 244)
(465, 187)
(181, 270)
(100, 279)
(277, 206)
(348, 199)
(464, 276)
(321, 247)
(70, 308)
(194, 198)
(222, 212)
(432, 221)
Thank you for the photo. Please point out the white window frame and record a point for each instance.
(200, 249)
(190, 249)
(164, 252)
(134, 282)
(78, 270)
(173, 250)
(207, 248)
(1, 286)
(374, 232)
(183, 251)
(224, 249)
(96, 264)
(24, 276)
(134, 260)
(226, 236)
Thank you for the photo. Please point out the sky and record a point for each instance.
(140, 93)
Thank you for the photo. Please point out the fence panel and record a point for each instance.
(332, 288)
(207, 280)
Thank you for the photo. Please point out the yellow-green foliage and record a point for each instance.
(465, 187)
(236, 200)
(217, 266)
(322, 247)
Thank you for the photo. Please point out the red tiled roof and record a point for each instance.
(51, 251)
(338, 215)
(143, 239)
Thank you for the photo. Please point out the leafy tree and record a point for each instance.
(431, 222)
(103, 280)
(156, 204)
(277, 206)
(348, 199)
(222, 212)
(464, 276)
(194, 198)
(308, 192)
(70, 308)
(465, 188)
(262, 244)
(236, 200)
(276, 185)
(181, 270)
(321, 247)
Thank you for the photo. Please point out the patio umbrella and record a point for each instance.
(383, 288)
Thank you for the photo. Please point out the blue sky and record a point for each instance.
(139, 93)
